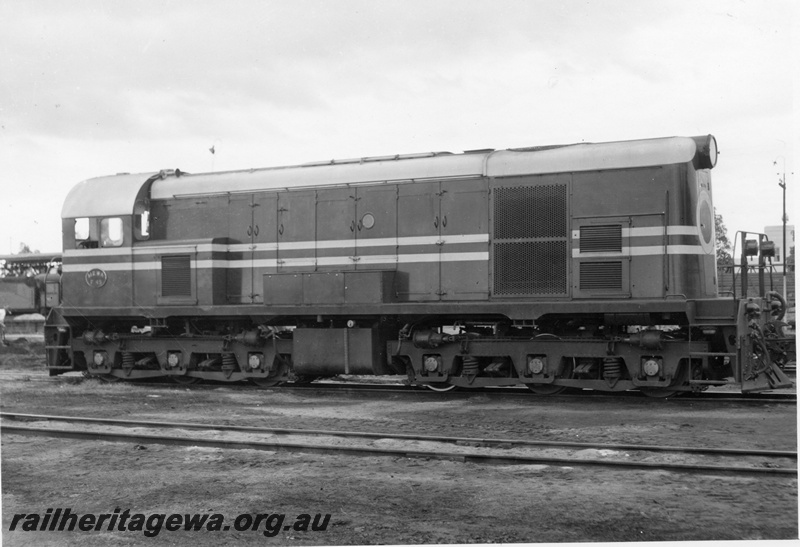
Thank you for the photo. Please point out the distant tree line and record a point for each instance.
(723, 244)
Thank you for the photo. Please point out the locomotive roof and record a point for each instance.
(116, 195)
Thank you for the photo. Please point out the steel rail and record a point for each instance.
(504, 392)
(372, 451)
(514, 391)
(491, 442)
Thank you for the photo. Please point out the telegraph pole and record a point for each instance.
(784, 250)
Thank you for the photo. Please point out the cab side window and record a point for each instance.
(111, 232)
(84, 238)
(141, 223)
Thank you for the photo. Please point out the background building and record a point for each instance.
(775, 234)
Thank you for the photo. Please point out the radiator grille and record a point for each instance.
(176, 275)
(530, 240)
(601, 276)
(594, 239)
(530, 212)
(538, 267)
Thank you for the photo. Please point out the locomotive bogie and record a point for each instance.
(599, 364)
(220, 358)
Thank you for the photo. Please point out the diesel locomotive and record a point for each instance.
(589, 265)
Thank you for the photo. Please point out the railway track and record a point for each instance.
(405, 389)
(463, 449)
(383, 389)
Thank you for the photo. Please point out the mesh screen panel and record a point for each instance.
(530, 212)
(537, 267)
(530, 240)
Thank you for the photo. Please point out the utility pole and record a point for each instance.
(784, 250)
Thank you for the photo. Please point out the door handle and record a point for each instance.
(255, 231)
(280, 230)
(249, 231)
(436, 222)
(444, 222)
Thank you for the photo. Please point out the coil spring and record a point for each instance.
(470, 365)
(612, 368)
(128, 360)
(228, 360)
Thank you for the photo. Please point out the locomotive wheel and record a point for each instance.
(107, 378)
(662, 393)
(185, 380)
(303, 380)
(265, 382)
(545, 389)
(440, 386)
(274, 378)
(565, 373)
(682, 378)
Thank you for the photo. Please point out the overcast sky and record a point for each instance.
(90, 88)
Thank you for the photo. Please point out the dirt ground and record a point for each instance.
(386, 500)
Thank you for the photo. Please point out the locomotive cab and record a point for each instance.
(102, 220)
